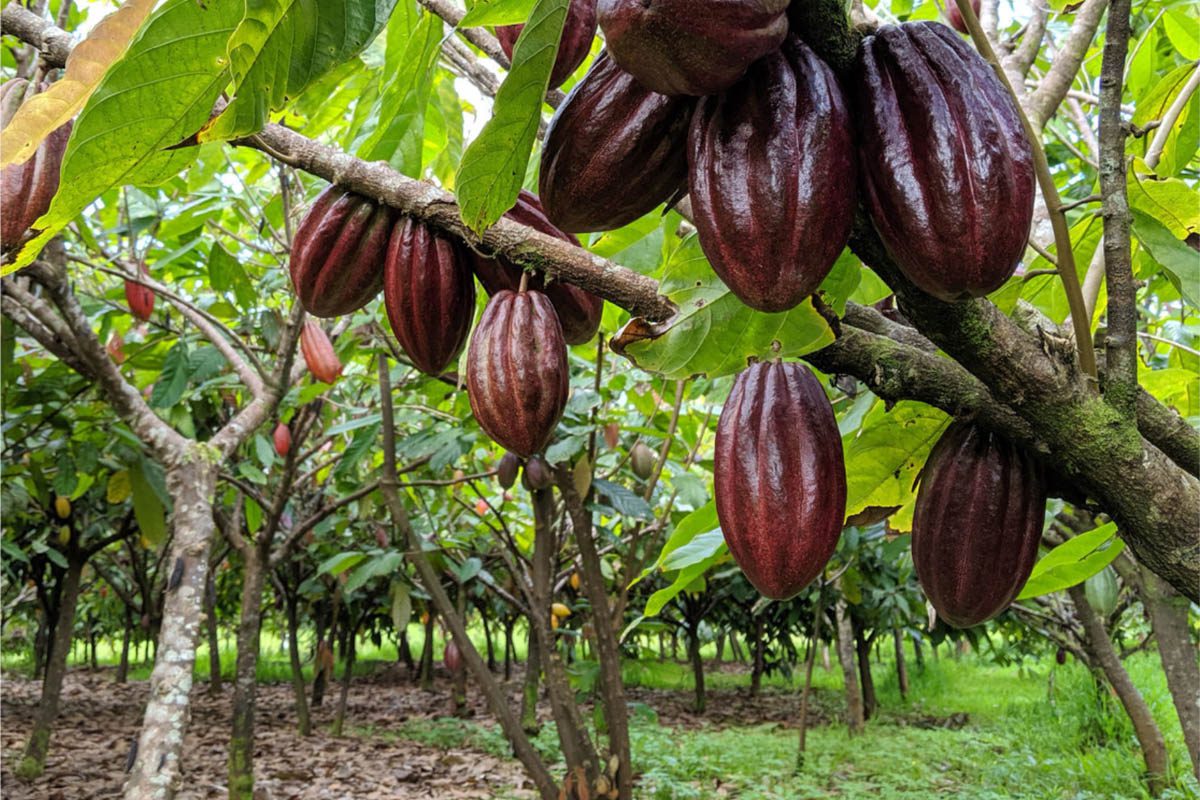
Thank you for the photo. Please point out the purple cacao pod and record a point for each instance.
(537, 474)
(771, 175)
(506, 470)
(339, 251)
(578, 310)
(977, 523)
(948, 170)
(429, 294)
(613, 151)
(779, 479)
(452, 658)
(26, 189)
(683, 47)
(955, 17)
(517, 371)
(578, 31)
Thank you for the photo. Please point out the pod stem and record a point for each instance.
(1080, 320)
(524, 285)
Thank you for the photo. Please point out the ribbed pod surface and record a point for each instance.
(338, 253)
(429, 294)
(319, 355)
(977, 523)
(779, 477)
(948, 170)
(579, 29)
(517, 374)
(26, 189)
(771, 176)
(613, 151)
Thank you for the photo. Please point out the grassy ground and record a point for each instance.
(1019, 740)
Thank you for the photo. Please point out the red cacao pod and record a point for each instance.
(338, 253)
(955, 17)
(537, 474)
(573, 47)
(977, 523)
(506, 471)
(613, 151)
(452, 658)
(683, 47)
(579, 311)
(283, 439)
(429, 294)
(318, 353)
(139, 297)
(779, 478)
(26, 189)
(517, 371)
(773, 209)
(948, 170)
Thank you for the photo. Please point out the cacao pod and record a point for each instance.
(429, 295)
(1061, 656)
(283, 439)
(1103, 591)
(560, 610)
(62, 506)
(506, 472)
(683, 47)
(573, 47)
(554, 623)
(612, 435)
(948, 170)
(26, 189)
(452, 658)
(116, 347)
(613, 151)
(977, 523)
(579, 311)
(576, 581)
(779, 479)
(641, 460)
(955, 17)
(537, 474)
(773, 210)
(318, 353)
(338, 252)
(517, 371)
(140, 297)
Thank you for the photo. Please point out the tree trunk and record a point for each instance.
(458, 677)
(1100, 648)
(404, 653)
(693, 648)
(901, 667)
(303, 722)
(919, 652)
(33, 760)
(509, 622)
(818, 618)
(487, 638)
(126, 635)
(870, 701)
(1169, 619)
(845, 651)
(756, 671)
(720, 645)
(156, 769)
(214, 645)
(735, 649)
(529, 694)
(349, 651)
(245, 686)
(426, 676)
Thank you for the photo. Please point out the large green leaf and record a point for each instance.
(1174, 256)
(1074, 561)
(148, 509)
(496, 12)
(161, 92)
(493, 166)
(699, 521)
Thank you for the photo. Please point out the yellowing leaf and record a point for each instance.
(87, 64)
(119, 487)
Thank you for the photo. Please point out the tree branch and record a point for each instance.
(1058, 79)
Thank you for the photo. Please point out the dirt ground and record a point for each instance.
(100, 719)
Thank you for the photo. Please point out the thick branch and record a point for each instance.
(1054, 86)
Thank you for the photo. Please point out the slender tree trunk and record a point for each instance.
(487, 638)
(901, 667)
(41, 640)
(156, 769)
(735, 649)
(826, 664)
(693, 648)
(818, 619)
(426, 675)
(529, 694)
(1100, 648)
(404, 653)
(1169, 618)
(126, 635)
(919, 652)
(94, 663)
(508, 647)
(349, 650)
(214, 645)
(756, 671)
(458, 677)
(845, 650)
(720, 644)
(320, 675)
(245, 685)
(33, 761)
(863, 646)
(303, 722)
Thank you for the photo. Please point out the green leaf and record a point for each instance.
(714, 334)
(401, 606)
(496, 12)
(1182, 30)
(699, 521)
(682, 581)
(1178, 260)
(1073, 561)
(226, 274)
(493, 166)
(338, 564)
(148, 509)
(173, 379)
(364, 441)
(160, 93)
(385, 564)
(623, 501)
(265, 450)
(701, 548)
(254, 514)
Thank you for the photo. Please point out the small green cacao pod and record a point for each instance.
(1103, 591)
(641, 460)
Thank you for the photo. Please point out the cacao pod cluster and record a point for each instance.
(720, 101)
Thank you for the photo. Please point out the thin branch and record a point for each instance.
(1155, 151)
(1045, 100)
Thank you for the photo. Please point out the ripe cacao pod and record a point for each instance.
(613, 151)
(429, 294)
(338, 252)
(573, 47)
(452, 658)
(318, 353)
(578, 310)
(517, 375)
(773, 210)
(506, 472)
(116, 347)
(537, 474)
(140, 297)
(560, 610)
(62, 506)
(683, 47)
(1061, 656)
(26, 189)
(977, 523)
(948, 170)
(576, 581)
(955, 17)
(283, 439)
(641, 460)
(779, 478)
